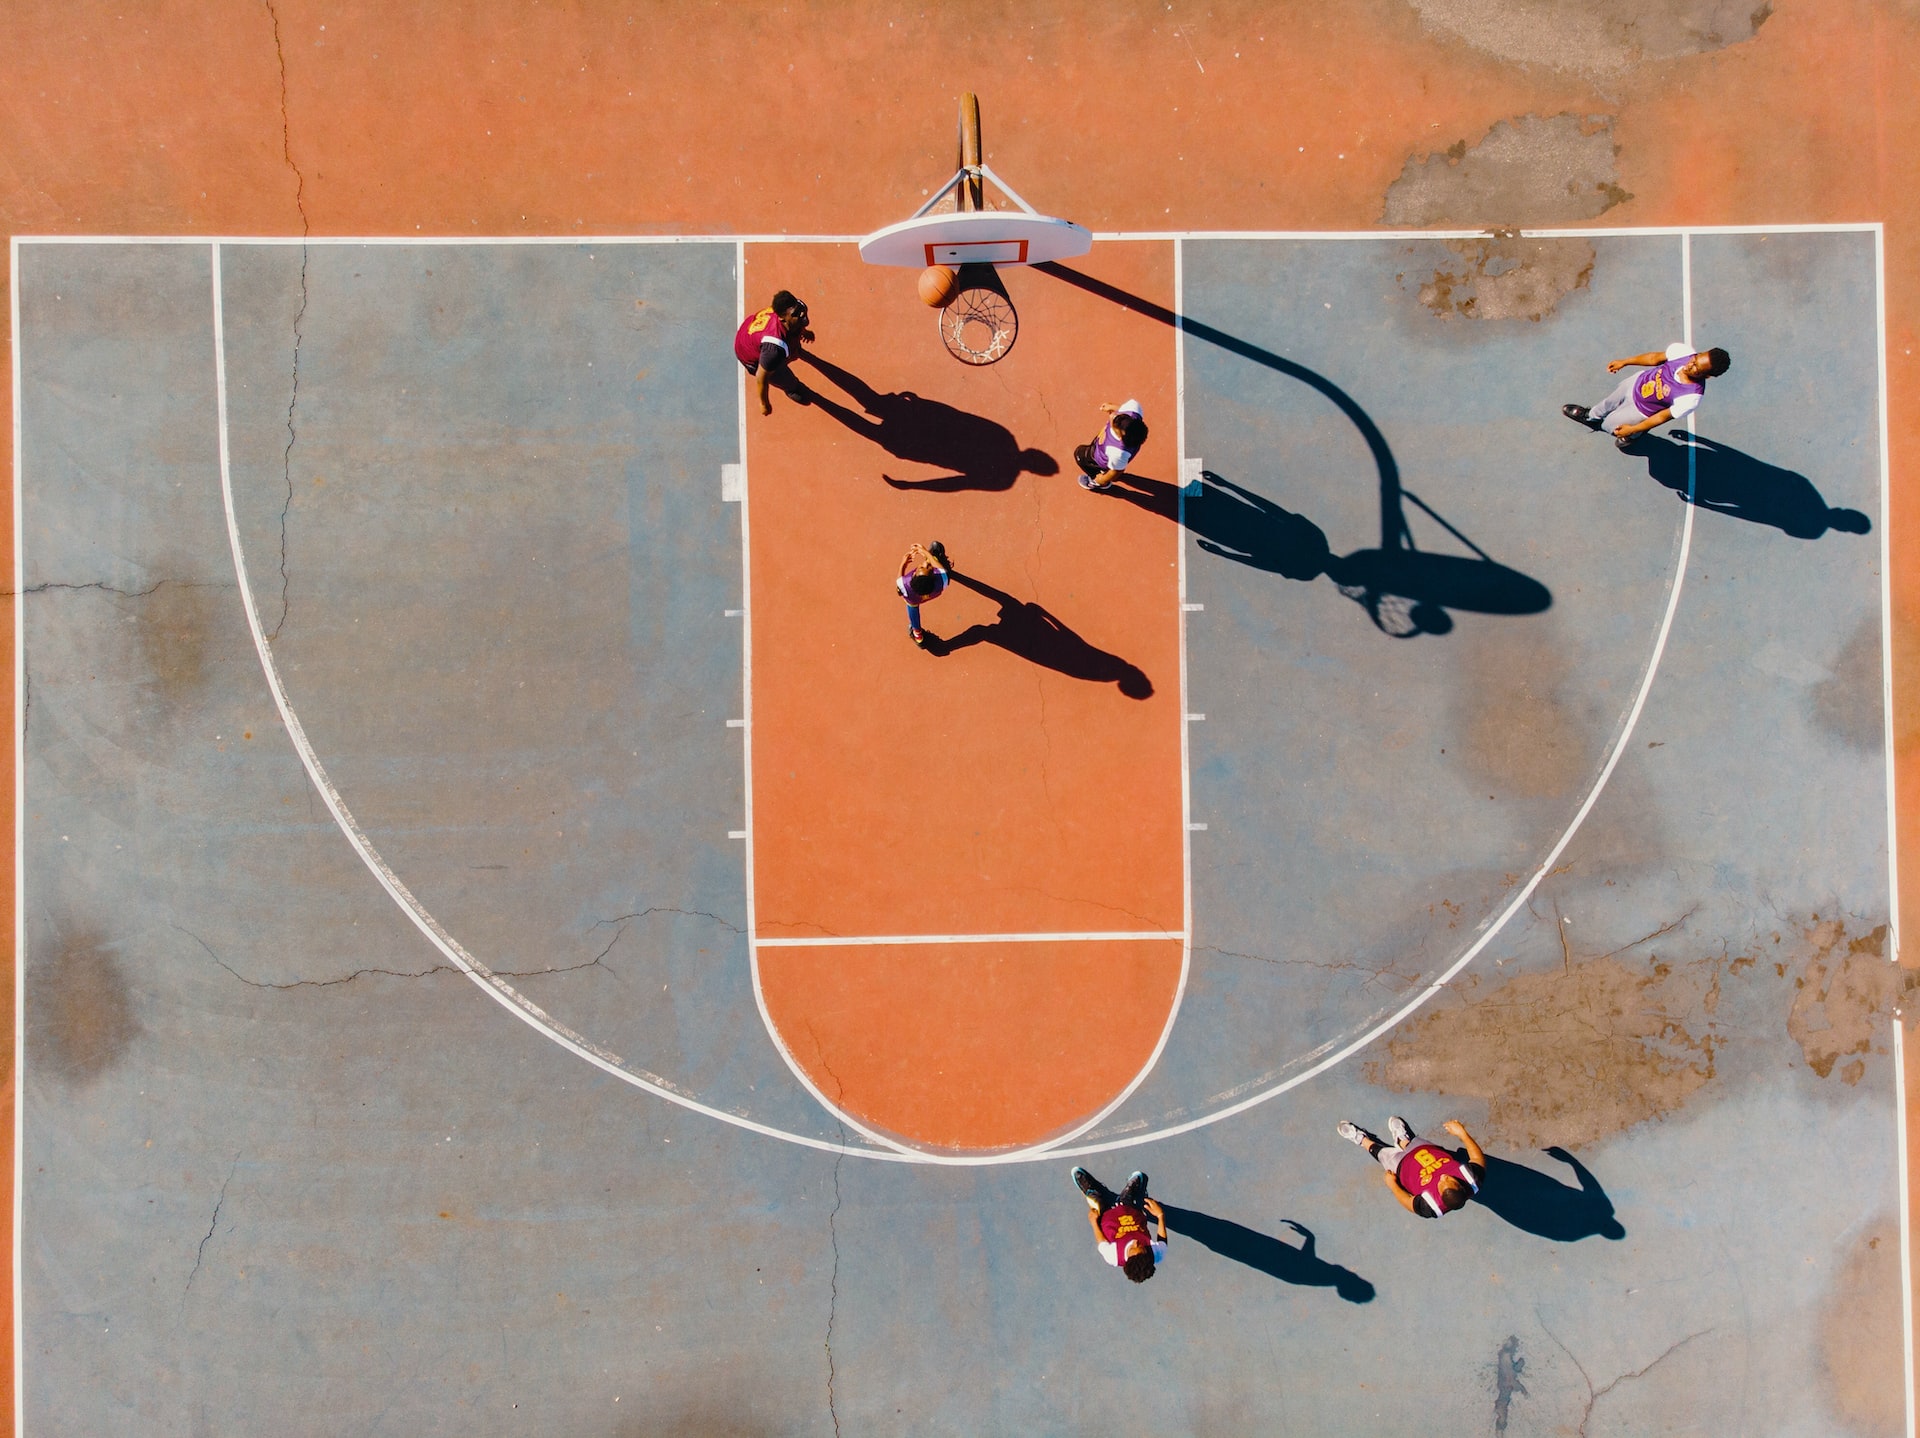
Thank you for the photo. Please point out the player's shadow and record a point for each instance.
(1405, 590)
(1541, 1204)
(1290, 1263)
(1729, 481)
(976, 452)
(1037, 635)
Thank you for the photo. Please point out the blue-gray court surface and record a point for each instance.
(1539, 785)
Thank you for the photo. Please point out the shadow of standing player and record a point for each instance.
(979, 453)
(1540, 1204)
(1727, 481)
(1034, 634)
(1269, 1255)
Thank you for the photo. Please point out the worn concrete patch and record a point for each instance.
(1520, 733)
(1847, 703)
(1565, 1057)
(174, 627)
(1531, 171)
(1586, 1050)
(1860, 1335)
(80, 1013)
(1599, 37)
(1843, 997)
(1502, 277)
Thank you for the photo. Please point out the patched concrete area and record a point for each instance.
(1535, 170)
(1601, 37)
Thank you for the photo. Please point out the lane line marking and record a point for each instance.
(1886, 602)
(854, 941)
(1333, 1055)
(834, 1110)
(1592, 232)
(19, 853)
(893, 1152)
(490, 983)
(1906, 1214)
(733, 483)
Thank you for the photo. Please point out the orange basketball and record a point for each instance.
(937, 286)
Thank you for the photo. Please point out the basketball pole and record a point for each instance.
(972, 194)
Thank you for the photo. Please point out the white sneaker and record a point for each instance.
(1402, 1132)
(1351, 1132)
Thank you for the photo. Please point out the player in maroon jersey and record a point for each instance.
(765, 344)
(1430, 1181)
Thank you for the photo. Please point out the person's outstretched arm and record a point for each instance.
(1651, 357)
(1474, 1155)
(1093, 1222)
(760, 381)
(1159, 1217)
(1406, 1199)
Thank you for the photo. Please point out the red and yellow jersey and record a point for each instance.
(765, 327)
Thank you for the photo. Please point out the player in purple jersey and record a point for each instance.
(1669, 388)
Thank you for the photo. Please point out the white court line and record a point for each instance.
(19, 852)
(495, 987)
(746, 709)
(530, 1014)
(1539, 874)
(1589, 232)
(1886, 602)
(1906, 1214)
(856, 941)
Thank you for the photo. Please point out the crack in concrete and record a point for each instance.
(389, 973)
(833, 1230)
(623, 919)
(1594, 1395)
(299, 318)
(201, 1252)
(100, 584)
(1379, 972)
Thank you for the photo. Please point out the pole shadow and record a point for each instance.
(1729, 481)
(976, 452)
(1266, 1254)
(1542, 1205)
(1405, 590)
(1035, 634)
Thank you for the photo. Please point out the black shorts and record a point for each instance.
(1083, 456)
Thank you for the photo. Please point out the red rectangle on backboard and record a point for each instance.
(977, 252)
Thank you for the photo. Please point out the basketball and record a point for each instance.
(937, 286)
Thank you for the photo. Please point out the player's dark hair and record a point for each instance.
(1453, 1194)
(1717, 361)
(1139, 1264)
(1131, 429)
(785, 303)
(925, 583)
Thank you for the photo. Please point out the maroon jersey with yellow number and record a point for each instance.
(764, 328)
(1422, 1167)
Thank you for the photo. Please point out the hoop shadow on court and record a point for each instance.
(976, 452)
(1729, 481)
(1035, 634)
(1541, 1204)
(1269, 1255)
(1404, 589)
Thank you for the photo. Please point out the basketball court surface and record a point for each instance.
(518, 940)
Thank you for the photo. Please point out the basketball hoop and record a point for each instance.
(980, 324)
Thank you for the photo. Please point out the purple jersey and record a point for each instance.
(1657, 389)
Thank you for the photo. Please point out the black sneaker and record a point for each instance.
(1095, 1190)
(1135, 1192)
(1578, 413)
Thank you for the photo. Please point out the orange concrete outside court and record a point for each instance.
(496, 118)
(902, 792)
